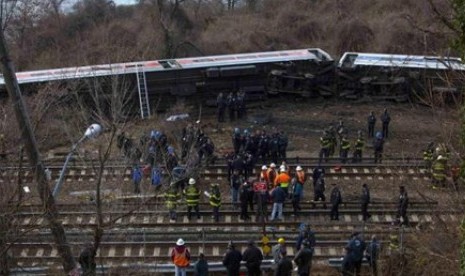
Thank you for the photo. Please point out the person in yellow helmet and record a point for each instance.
(277, 249)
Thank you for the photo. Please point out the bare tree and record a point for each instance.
(50, 208)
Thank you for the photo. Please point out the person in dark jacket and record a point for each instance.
(136, 178)
(201, 266)
(336, 199)
(356, 247)
(87, 260)
(372, 253)
(319, 191)
(244, 199)
(303, 259)
(385, 119)
(284, 266)
(253, 258)
(232, 260)
(371, 124)
(365, 202)
(378, 147)
(402, 206)
(221, 104)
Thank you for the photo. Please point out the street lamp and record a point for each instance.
(91, 132)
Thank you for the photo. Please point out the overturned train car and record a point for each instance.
(305, 72)
(428, 79)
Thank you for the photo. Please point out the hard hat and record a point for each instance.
(299, 168)
(272, 165)
(191, 181)
(180, 242)
(264, 167)
(281, 240)
(170, 150)
(237, 130)
(282, 169)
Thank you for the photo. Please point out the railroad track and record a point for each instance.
(148, 238)
(220, 173)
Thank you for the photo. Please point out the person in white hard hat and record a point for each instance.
(180, 256)
(192, 194)
(271, 175)
(283, 179)
(263, 174)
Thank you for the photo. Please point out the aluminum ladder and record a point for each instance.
(143, 94)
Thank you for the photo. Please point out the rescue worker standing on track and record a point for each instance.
(439, 171)
(344, 149)
(402, 206)
(371, 124)
(428, 155)
(172, 198)
(325, 144)
(271, 175)
(358, 148)
(221, 105)
(284, 180)
(215, 200)
(192, 194)
(335, 200)
(385, 119)
(180, 256)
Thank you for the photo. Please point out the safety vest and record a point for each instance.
(345, 144)
(215, 198)
(264, 175)
(359, 143)
(439, 170)
(325, 142)
(271, 175)
(180, 259)
(284, 179)
(301, 177)
(393, 242)
(192, 195)
(428, 155)
(171, 199)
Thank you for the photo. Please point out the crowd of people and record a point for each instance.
(338, 136)
(357, 251)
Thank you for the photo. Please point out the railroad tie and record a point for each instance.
(127, 251)
(112, 251)
(40, 252)
(216, 251)
(156, 252)
(54, 253)
(24, 252)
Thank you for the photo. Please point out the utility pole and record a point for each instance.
(22, 116)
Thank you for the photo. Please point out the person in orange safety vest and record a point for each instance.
(181, 258)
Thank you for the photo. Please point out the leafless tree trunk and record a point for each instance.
(50, 209)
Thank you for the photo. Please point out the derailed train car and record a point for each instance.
(201, 78)
(400, 77)
(306, 72)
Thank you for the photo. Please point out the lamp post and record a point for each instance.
(91, 132)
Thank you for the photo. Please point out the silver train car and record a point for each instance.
(308, 72)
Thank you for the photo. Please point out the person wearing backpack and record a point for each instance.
(180, 256)
(156, 177)
(356, 247)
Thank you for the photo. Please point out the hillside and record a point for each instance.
(96, 31)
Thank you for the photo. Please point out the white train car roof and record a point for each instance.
(170, 64)
(351, 60)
